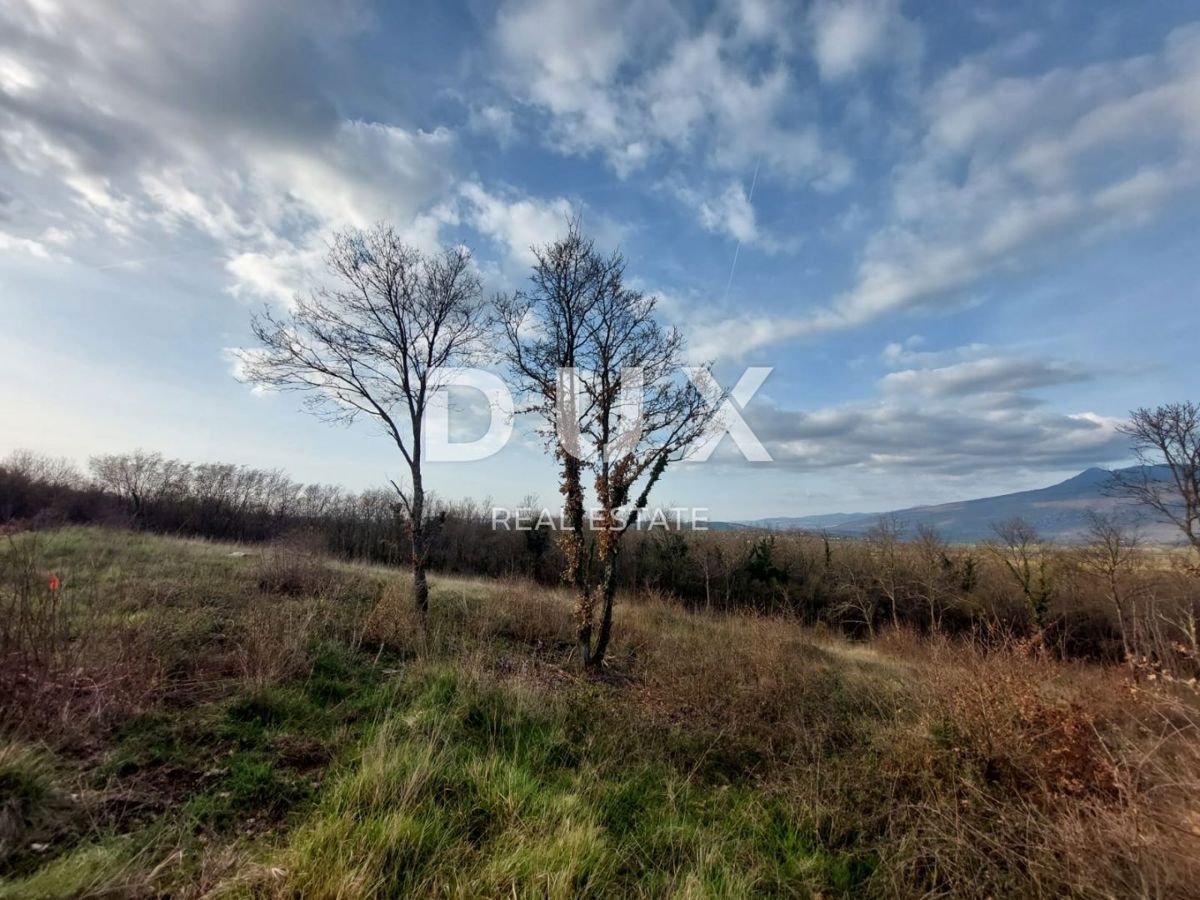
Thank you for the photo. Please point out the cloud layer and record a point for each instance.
(863, 167)
(979, 414)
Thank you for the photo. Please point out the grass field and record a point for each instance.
(192, 719)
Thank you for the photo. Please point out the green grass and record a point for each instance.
(35, 806)
(481, 790)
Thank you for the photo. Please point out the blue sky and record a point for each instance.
(965, 234)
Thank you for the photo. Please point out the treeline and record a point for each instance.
(230, 502)
(222, 501)
(1106, 598)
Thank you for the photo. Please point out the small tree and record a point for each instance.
(1169, 436)
(888, 569)
(587, 354)
(1111, 554)
(937, 573)
(374, 344)
(1026, 557)
(140, 479)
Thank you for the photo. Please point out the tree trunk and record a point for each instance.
(1114, 592)
(420, 549)
(420, 582)
(583, 636)
(608, 593)
(575, 548)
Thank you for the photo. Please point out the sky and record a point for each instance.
(962, 235)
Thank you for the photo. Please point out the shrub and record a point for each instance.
(295, 566)
(394, 621)
(274, 641)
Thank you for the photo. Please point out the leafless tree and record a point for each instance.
(673, 413)
(936, 573)
(856, 598)
(374, 344)
(883, 541)
(1111, 554)
(1167, 435)
(581, 346)
(1024, 554)
(546, 328)
(138, 478)
(51, 470)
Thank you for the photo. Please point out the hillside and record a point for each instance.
(203, 719)
(1059, 511)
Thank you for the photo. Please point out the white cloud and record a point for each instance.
(761, 20)
(730, 212)
(277, 276)
(892, 436)
(13, 244)
(517, 224)
(1008, 173)
(989, 375)
(908, 353)
(175, 122)
(493, 120)
(851, 35)
(630, 81)
(714, 338)
(567, 53)
(963, 409)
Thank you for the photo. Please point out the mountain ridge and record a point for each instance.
(1059, 511)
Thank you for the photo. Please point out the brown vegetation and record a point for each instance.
(1110, 598)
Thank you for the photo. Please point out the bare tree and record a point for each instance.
(1111, 554)
(588, 355)
(673, 415)
(936, 573)
(139, 478)
(1169, 436)
(888, 569)
(51, 470)
(546, 327)
(374, 344)
(856, 601)
(1025, 555)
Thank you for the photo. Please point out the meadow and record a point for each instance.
(192, 718)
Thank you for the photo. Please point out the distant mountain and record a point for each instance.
(1059, 511)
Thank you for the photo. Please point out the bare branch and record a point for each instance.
(1166, 441)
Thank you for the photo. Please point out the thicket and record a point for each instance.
(1106, 598)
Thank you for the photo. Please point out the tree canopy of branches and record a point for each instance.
(373, 344)
(138, 478)
(1111, 553)
(1167, 435)
(1024, 554)
(589, 357)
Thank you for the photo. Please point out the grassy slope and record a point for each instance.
(282, 726)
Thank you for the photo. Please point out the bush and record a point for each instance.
(295, 566)
(394, 622)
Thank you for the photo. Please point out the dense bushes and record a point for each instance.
(1106, 599)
